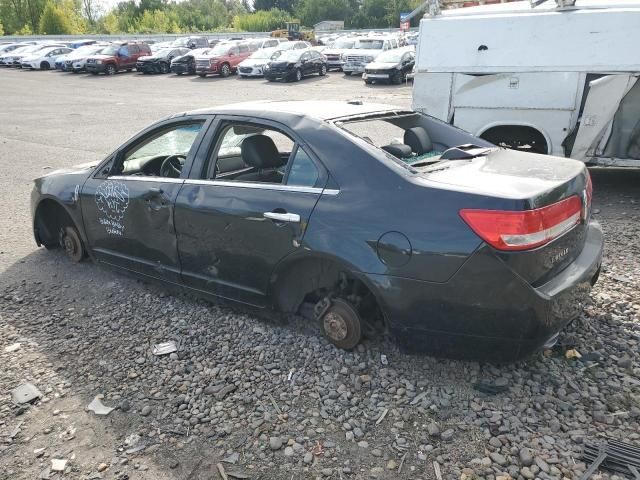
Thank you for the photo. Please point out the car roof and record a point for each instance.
(319, 109)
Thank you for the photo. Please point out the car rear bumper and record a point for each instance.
(486, 311)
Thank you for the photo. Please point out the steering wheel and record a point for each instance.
(172, 165)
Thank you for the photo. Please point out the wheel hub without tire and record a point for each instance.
(335, 326)
(69, 246)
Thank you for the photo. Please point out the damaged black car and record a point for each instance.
(160, 61)
(367, 218)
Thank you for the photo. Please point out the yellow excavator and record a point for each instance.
(293, 32)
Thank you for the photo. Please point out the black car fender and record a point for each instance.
(54, 200)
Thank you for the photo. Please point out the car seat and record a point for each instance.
(261, 153)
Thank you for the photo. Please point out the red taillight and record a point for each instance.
(522, 230)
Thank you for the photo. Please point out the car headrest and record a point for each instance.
(259, 151)
(418, 139)
(398, 150)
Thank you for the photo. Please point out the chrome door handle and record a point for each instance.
(283, 217)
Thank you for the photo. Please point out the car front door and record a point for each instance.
(308, 66)
(128, 204)
(246, 208)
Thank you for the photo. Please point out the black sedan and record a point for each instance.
(295, 65)
(186, 64)
(160, 61)
(365, 217)
(391, 66)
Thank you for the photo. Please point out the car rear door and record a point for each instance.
(233, 232)
(128, 204)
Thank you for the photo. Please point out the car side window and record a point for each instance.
(248, 152)
(161, 153)
(306, 56)
(243, 48)
(271, 43)
(303, 172)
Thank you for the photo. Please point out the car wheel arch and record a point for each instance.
(296, 277)
(49, 215)
(515, 129)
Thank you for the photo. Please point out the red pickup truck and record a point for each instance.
(223, 59)
(116, 57)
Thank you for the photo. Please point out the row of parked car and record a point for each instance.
(376, 57)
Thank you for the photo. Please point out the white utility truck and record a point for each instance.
(557, 77)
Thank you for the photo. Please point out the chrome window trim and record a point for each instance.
(146, 178)
(263, 186)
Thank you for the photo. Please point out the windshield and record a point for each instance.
(109, 51)
(87, 49)
(344, 43)
(181, 42)
(390, 56)
(163, 52)
(262, 54)
(220, 50)
(287, 45)
(199, 51)
(30, 48)
(290, 56)
(369, 44)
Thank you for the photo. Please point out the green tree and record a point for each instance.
(25, 30)
(109, 24)
(15, 14)
(286, 5)
(53, 20)
(157, 21)
(261, 21)
(203, 15)
(1, 29)
(314, 11)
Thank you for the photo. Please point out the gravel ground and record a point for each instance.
(261, 397)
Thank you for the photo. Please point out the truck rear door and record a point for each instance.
(603, 100)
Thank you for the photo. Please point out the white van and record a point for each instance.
(549, 79)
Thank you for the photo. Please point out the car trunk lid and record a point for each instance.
(533, 210)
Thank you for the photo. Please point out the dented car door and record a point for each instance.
(235, 223)
(128, 205)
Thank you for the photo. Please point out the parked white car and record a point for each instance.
(75, 60)
(260, 43)
(297, 44)
(254, 65)
(44, 59)
(14, 59)
(365, 51)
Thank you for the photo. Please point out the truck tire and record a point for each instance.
(225, 70)
(110, 69)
